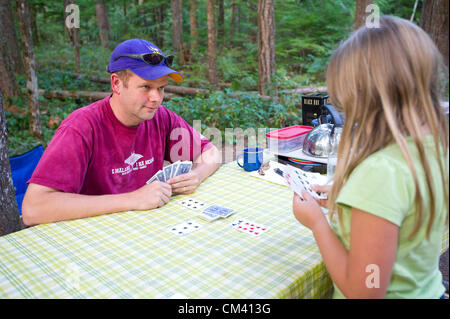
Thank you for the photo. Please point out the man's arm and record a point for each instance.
(43, 204)
(205, 165)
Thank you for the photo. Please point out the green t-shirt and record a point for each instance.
(383, 186)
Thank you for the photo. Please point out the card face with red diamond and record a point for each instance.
(249, 227)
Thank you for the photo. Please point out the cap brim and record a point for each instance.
(155, 72)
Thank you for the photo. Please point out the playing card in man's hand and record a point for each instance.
(160, 176)
(167, 172)
(175, 168)
(152, 179)
(183, 168)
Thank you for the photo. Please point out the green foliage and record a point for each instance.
(307, 33)
(400, 8)
(222, 111)
(52, 113)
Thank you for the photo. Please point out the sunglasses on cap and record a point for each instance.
(150, 58)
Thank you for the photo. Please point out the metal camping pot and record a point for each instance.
(318, 142)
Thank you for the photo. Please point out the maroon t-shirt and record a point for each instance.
(93, 153)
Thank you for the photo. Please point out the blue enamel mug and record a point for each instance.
(253, 157)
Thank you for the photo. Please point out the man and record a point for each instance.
(102, 155)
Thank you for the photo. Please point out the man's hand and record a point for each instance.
(151, 196)
(185, 183)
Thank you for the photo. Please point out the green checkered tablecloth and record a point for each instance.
(134, 255)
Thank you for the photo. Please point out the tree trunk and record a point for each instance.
(87, 95)
(414, 11)
(9, 214)
(266, 46)
(67, 30)
(8, 83)
(9, 32)
(158, 16)
(234, 9)
(102, 20)
(72, 34)
(193, 26)
(76, 45)
(434, 20)
(30, 68)
(34, 24)
(177, 28)
(360, 12)
(212, 71)
(221, 23)
(124, 3)
(252, 33)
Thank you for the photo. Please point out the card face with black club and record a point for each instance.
(193, 204)
(185, 228)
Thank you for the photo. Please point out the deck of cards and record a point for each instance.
(172, 170)
(298, 180)
(207, 212)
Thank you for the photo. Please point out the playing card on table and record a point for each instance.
(185, 228)
(221, 211)
(192, 203)
(249, 227)
(208, 216)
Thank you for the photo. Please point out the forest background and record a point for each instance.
(70, 64)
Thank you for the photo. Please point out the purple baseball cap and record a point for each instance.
(139, 67)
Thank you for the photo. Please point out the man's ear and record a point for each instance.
(116, 83)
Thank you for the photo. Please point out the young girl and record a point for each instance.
(390, 187)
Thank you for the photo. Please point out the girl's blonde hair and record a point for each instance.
(387, 82)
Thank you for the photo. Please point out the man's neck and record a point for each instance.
(118, 113)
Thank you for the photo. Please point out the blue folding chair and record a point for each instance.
(22, 167)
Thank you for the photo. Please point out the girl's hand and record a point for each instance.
(325, 189)
(307, 211)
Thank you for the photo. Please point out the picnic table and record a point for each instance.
(134, 254)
